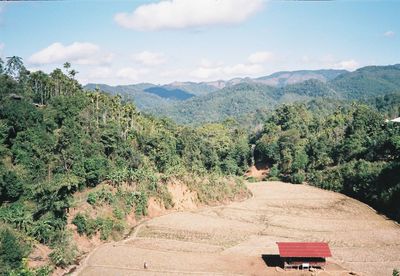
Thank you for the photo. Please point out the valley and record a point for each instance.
(189, 137)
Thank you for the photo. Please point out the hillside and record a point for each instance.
(149, 96)
(370, 81)
(281, 79)
(239, 100)
(196, 103)
(228, 102)
(155, 98)
(136, 93)
(79, 168)
(230, 239)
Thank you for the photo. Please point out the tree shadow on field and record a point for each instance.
(272, 260)
(262, 165)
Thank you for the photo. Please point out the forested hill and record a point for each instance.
(236, 101)
(62, 148)
(368, 81)
(57, 141)
(348, 149)
(151, 97)
(138, 92)
(237, 98)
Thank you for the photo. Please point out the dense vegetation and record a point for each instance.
(238, 100)
(62, 146)
(57, 140)
(350, 150)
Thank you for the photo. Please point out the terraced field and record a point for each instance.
(239, 238)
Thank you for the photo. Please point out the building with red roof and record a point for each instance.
(304, 254)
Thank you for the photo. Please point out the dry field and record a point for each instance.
(231, 239)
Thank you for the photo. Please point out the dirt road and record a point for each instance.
(231, 239)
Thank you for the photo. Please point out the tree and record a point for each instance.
(15, 67)
(11, 251)
(1, 66)
(10, 186)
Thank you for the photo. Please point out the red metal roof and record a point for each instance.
(304, 249)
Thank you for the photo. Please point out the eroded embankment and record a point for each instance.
(108, 204)
(232, 239)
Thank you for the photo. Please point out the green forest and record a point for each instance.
(350, 149)
(238, 100)
(58, 141)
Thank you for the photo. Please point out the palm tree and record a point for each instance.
(67, 65)
(1, 66)
(14, 66)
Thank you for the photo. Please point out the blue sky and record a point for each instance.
(121, 42)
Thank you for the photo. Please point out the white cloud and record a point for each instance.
(100, 73)
(225, 72)
(350, 64)
(179, 14)
(173, 74)
(208, 63)
(208, 70)
(260, 57)
(389, 34)
(131, 74)
(243, 69)
(305, 59)
(326, 62)
(150, 58)
(84, 53)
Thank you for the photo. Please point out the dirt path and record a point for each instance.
(231, 240)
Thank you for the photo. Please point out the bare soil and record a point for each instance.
(240, 238)
(257, 173)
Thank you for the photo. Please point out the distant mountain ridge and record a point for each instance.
(190, 102)
(284, 78)
(177, 94)
(143, 93)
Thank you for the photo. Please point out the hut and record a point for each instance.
(303, 255)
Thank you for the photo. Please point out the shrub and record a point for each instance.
(252, 179)
(64, 254)
(10, 186)
(298, 178)
(101, 196)
(105, 226)
(95, 170)
(11, 251)
(140, 204)
(81, 223)
(118, 176)
(274, 173)
(92, 198)
(118, 213)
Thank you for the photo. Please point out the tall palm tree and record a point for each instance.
(1, 66)
(14, 66)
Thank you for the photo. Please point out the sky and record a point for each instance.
(125, 42)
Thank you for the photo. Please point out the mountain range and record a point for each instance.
(191, 102)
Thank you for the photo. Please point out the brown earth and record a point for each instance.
(256, 173)
(182, 197)
(233, 239)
